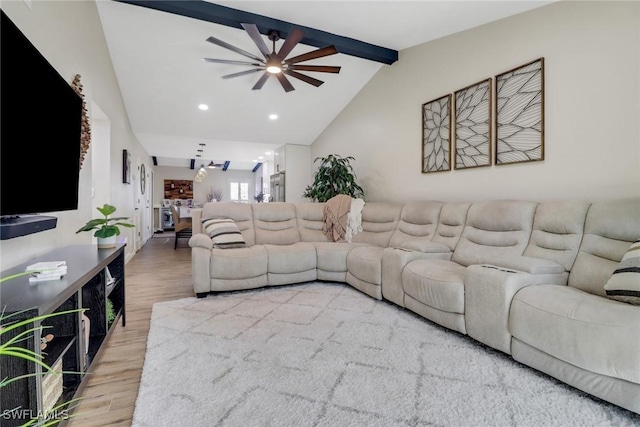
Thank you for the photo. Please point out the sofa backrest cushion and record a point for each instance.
(610, 228)
(418, 220)
(240, 213)
(379, 221)
(453, 216)
(494, 229)
(275, 223)
(557, 232)
(309, 217)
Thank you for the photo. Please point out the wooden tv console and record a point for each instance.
(84, 286)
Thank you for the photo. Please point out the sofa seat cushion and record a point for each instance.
(294, 258)
(426, 246)
(365, 263)
(436, 283)
(239, 263)
(585, 330)
(332, 256)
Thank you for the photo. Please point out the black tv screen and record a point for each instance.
(40, 120)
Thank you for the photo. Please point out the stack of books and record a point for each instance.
(48, 270)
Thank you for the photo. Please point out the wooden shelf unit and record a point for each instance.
(84, 286)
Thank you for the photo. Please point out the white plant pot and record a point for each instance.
(108, 242)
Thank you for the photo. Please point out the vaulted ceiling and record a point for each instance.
(158, 60)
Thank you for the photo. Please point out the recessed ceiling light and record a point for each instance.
(273, 116)
(203, 107)
(268, 153)
(254, 161)
(260, 157)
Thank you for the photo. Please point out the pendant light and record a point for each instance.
(202, 172)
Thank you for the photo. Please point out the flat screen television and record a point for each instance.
(40, 121)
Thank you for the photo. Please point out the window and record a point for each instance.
(239, 191)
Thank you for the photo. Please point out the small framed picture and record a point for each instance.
(126, 167)
(166, 203)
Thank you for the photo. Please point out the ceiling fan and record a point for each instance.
(213, 165)
(277, 64)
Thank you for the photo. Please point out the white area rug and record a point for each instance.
(327, 355)
(164, 235)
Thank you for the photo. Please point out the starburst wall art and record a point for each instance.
(473, 126)
(520, 114)
(436, 135)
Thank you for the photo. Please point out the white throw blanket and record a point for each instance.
(354, 219)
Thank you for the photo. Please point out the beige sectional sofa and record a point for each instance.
(523, 277)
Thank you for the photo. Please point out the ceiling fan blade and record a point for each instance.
(304, 78)
(234, 49)
(227, 61)
(286, 84)
(261, 82)
(290, 42)
(257, 38)
(241, 73)
(316, 68)
(319, 53)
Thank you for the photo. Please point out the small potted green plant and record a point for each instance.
(106, 228)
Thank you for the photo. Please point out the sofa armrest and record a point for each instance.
(425, 246)
(200, 264)
(201, 240)
(527, 264)
(196, 221)
(489, 291)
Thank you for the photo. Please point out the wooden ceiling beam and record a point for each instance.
(223, 15)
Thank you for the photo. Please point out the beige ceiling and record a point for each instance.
(157, 57)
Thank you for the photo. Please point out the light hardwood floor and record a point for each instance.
(156, 273)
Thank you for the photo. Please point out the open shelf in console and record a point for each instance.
(83, 287)
(64, 331)
(94, 300)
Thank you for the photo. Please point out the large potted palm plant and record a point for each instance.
(334, 176)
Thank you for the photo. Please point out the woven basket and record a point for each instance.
(52, 386)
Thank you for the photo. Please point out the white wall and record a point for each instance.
(101, 157)
(216, 178)
(592, 106)
(69, 34)
(297, 172)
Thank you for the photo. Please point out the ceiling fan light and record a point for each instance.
(274, 66)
